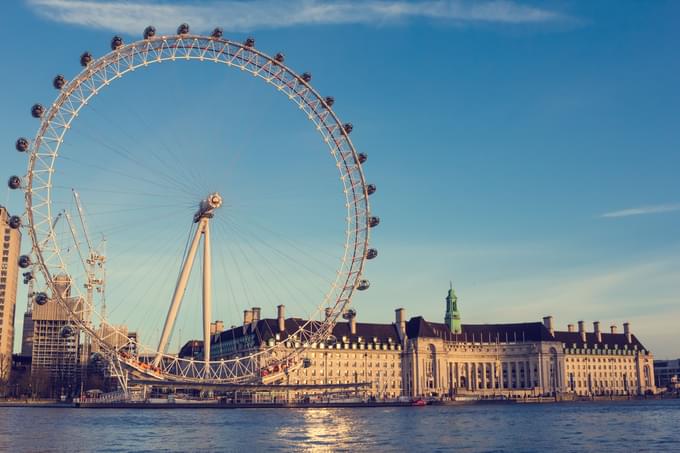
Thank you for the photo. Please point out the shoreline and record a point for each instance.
(329, 405)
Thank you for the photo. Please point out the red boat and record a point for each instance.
(419, 402)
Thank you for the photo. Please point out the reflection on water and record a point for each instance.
(629, 426)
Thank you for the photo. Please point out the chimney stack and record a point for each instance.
(613, 329)
(400, 321)
(548, 323)
(626, 332)
(256, 314)
(582, 330)
(281, 317)
(571, 328)
(353, 324)
(596, 330)
(247, 317)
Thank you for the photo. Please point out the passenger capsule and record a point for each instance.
(58, 82)
(37, 111)
(41, 298)
(363, 157)
(330, 100)
(217, 32)
(349, 314)
(249, 42)
(116, 42)
(14, 182)
(363, 285)
(22, 144)
(306, 363)
(307, 77)
(149, 32)
(348, 128)
(66, 332)
(371, 253)
(371, 188)
(183, 29)
(279, 57)
(14, 222)
(373, 221)
(85, 59)
(24, 261)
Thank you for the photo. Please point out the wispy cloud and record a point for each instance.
(643, 210)
(240, 16)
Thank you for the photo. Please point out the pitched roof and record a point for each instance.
(611, 340)
(526, 331)
(264, 329)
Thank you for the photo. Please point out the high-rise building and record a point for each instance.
(57, 349)
(27, 333)
(9, 273)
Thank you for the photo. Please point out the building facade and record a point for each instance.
(416, 357)
(9, 275)
(57, 352)
(667, 373)
(521, 359)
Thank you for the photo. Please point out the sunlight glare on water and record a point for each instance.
(622, 426)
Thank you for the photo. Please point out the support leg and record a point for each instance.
(207, 294)
(179, 293)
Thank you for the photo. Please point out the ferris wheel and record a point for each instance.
(52, 257)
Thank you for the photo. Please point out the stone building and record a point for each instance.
(524, 359)
(417, 357)
(9, 274)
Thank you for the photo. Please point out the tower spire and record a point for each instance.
(452, 318)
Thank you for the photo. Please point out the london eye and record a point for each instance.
(64, 265)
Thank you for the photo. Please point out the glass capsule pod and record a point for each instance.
(58, 82)
(149, 32)
(371, 253)
(348, 128)
(37, 111)
(22, 144)
(24, 261)
(217, 32)
(249, 42)
(363, 285)
(373, 221)
(116, 42)
(14, 222)
(183, 29)
(14, 182)
(371, 188)
(67, 332)
(85, 59)
(307, 77)
(41, 298)
(280, 57)
(349, 314)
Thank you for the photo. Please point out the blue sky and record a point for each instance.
(528, 151)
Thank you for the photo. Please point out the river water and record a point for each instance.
(616, 426)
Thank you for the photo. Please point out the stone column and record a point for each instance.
(493, 375)
(483, 369)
